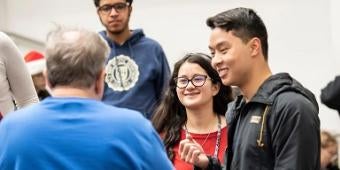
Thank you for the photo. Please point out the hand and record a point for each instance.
(192, 152)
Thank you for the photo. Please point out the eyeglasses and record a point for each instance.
(197, 80)
(119, 7)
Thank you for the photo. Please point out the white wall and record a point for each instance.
(2, 14)
(33, 18)
(303, 35)
(335, 34)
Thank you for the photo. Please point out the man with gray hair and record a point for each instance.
(73, 129)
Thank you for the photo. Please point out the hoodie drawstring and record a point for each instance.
(259, 141)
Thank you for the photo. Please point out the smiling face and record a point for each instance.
(231, 57)
(115, 21)
(196, 97)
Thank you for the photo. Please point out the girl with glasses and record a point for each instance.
(193, 108)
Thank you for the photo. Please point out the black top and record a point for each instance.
(278, 128)
(330, 95)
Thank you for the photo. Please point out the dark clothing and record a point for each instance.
(330, 95)
(332, 167)
(278, 128)
(137, 71)
(42, 94)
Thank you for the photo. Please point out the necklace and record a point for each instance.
(206, 138)
(218, 138)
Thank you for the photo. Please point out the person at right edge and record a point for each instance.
(274, 124)
(330, 95)
(137, 70)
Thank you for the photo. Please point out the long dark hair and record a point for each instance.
(170, 115)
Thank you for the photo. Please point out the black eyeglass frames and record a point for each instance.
(197, 80)
(119, 7)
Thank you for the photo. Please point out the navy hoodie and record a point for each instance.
(137, 71)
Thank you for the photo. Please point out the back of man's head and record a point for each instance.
(244, 23)
(97, 2)
(75, 57)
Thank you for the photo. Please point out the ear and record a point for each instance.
(255, 46)
(100, 17)
(47, 82)
(130, 10)
(216, 88)
(97, 7)
(99, 84)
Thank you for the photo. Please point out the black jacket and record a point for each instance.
(330, 95)
(278, 128)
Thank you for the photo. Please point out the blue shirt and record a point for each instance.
(79, 134)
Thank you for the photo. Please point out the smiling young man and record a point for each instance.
(137, 68)
(274, 124)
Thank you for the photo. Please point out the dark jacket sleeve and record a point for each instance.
(214, 164)
(330, 95)
(295, 134)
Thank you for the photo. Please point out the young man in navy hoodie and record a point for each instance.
(137, 69)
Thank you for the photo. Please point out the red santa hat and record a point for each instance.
(35, 62)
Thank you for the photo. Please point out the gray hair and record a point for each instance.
(74, 57)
